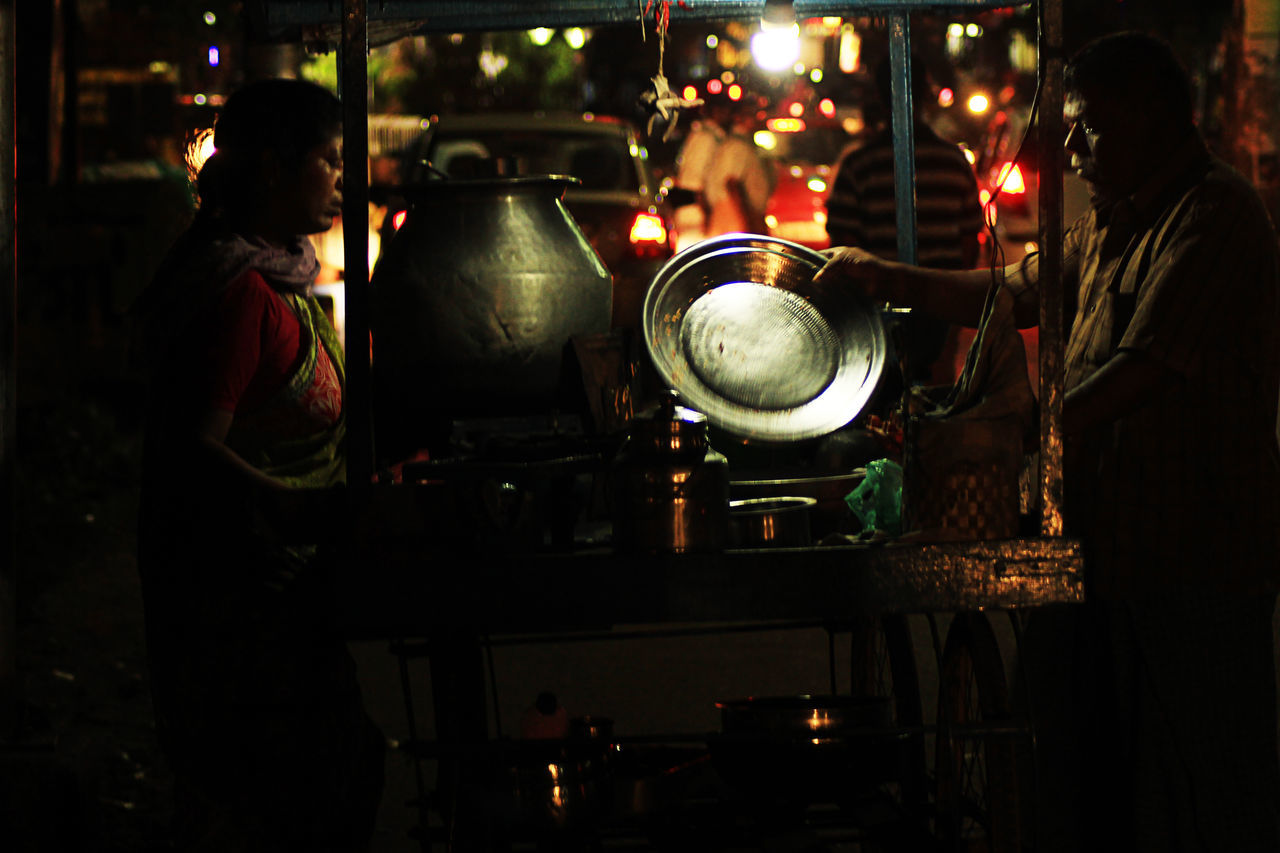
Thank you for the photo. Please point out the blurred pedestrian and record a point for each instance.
(257, 705)
(862, 209)
(739, 181)
(693, 164)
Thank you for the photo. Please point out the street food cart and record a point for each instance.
(422, 572)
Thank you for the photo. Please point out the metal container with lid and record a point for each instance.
(670, 487)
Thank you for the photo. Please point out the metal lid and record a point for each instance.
(671, 430)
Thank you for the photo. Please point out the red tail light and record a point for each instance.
(648, 229)
(1009, 180)
(398, 219)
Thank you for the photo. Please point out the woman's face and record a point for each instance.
(307, 199)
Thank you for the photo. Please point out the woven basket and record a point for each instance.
(961, 479)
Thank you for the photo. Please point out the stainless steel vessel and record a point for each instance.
(475, 299)
(776, 522)
(670, 488)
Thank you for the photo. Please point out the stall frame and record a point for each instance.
(348, 25)
(828, 586)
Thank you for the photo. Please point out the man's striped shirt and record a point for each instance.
(862, 208)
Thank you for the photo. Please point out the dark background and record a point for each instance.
(83, 771)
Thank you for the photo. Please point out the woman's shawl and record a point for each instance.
(191, 279)
(195, 273)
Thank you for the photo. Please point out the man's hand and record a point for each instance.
(848, 265)
(956, 296)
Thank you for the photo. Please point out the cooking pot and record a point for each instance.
(669, 487)
(474, 301)
(828, 514)
(770, 522)
(805, 749)
(562, 784)
(804, 716)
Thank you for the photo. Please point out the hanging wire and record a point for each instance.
(997, 251)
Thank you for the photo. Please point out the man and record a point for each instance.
(692, 165)
(738, 180)
(1172, 472)
(862, 208)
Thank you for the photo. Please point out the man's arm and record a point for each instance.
(298, 514)
(956, 296)
(1122, 385)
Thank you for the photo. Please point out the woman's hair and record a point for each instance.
(1138, 67)
(285, 117)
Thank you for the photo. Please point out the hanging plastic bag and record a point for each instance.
(877, 501)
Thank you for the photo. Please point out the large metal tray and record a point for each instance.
(735, 328)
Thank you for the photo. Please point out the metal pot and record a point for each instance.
(804, 716)
(805, 749)
(564, 783)
(475, 299)
(829, 513)
(770, 522)
(670, 489)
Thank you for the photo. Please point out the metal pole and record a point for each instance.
(1051, 332)
(354, 82)
(904, 187)
(8, 379)
(904, 144)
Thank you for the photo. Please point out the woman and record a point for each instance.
(256, 701)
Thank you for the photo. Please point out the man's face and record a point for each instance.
(1110, 141)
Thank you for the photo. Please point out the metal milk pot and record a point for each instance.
(670, 488)
(475, 298)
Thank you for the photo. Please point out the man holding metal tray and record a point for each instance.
(1171, 469)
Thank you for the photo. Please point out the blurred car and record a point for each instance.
(619, 205)
(797, 209)
(1010, 192)
(805, 151)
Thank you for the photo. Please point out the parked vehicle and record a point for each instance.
(618, 204)
(797, 209)
(805, 153)
(1014, 208)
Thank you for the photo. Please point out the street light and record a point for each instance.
(776, 49)
(778, 13)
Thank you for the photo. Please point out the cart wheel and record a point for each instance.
(977, 799)
(883, 663)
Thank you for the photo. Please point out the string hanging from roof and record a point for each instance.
(658, 99)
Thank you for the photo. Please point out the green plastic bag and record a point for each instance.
(877, 501)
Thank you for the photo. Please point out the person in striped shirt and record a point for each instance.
(862, 208)
(1157, 723)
